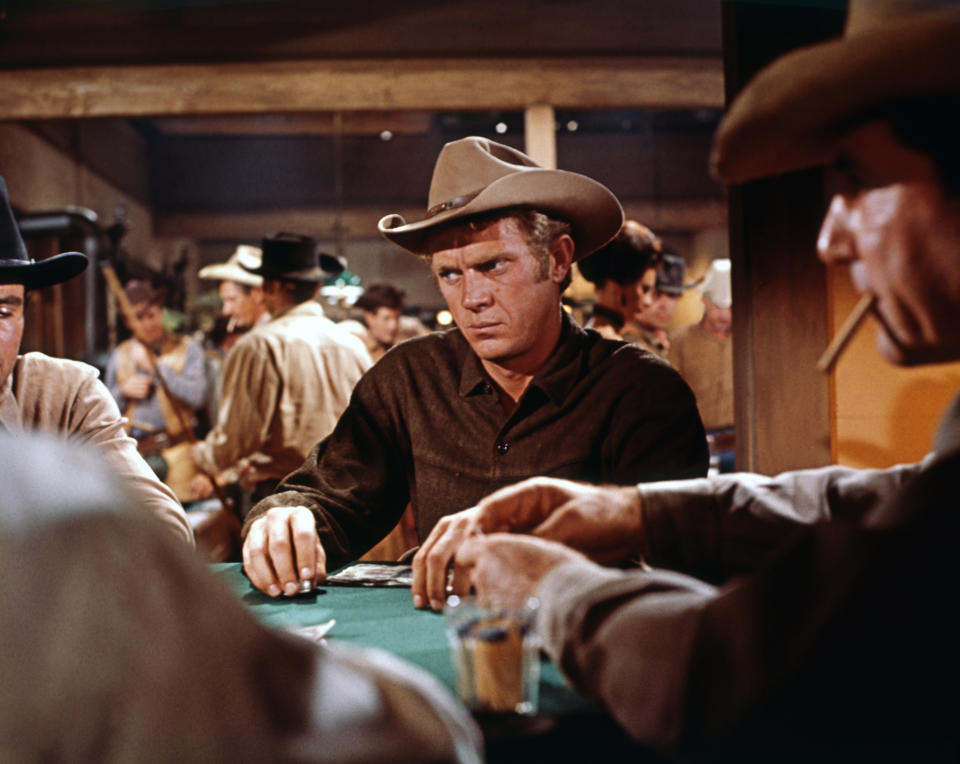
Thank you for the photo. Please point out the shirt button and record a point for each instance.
(502, 447)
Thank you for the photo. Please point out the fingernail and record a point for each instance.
(436, 604)
(305, 586)
(417, 601)
(273, 590)
(290, 588)
(306, 574)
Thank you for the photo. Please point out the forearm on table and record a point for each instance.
(625, 639)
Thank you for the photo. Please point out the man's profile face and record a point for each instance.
(384, 324)
(150, 316)
(12, 298)
(892, 222)
(660, 311)
(497, 290)
(245, 307)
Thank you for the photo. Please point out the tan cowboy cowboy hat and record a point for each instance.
(475, 175)
(792, 114)
(233, 269)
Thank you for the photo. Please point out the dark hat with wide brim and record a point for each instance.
(793, 114)
(670, 274)
(16, 265)
(476, 175)
(292, 257)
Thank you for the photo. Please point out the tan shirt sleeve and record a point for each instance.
(95, 418)
(242, 427)
(66, 398)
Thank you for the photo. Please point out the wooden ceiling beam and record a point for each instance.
(352, 123)
(361, 222)
(347, 85)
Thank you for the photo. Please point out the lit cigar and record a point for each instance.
(232, 324)
(850, 326)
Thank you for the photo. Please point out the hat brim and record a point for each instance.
(330, 266)
(592, 210)
(43, 273)
(230, 272)
(793, 114)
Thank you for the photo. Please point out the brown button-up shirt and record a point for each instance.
(425, 425)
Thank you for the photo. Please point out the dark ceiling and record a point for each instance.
(243, 164)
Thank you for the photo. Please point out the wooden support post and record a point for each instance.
(539, 136)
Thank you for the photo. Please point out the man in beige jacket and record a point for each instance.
(55, 395)
(285, 383)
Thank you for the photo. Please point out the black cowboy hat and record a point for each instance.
(292, 257)
(17, 267)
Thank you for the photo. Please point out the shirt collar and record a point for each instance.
(556, 377)
(308, 308)
(9, 410)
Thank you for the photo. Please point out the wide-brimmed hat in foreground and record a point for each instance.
(235, 268)
(292, 257)
(16, 265)
(476, 175)
(793, 113)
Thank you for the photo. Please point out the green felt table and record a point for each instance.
(384, 617)
(568, 727)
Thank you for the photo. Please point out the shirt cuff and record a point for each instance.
(563, 601)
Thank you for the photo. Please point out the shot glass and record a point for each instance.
(495, 654)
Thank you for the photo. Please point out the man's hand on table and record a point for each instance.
(604, 522)
(505, 569)
(282, 549)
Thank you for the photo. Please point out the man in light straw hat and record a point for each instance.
(820, 622)
(241, 292)
(242, 302)
(64, 397)
(703, 354)
(517, 389)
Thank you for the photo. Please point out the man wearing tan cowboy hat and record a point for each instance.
(241, 292)
(823, 627)
(64, 397)
(285, 383)
(242, 303)
(516, 389)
